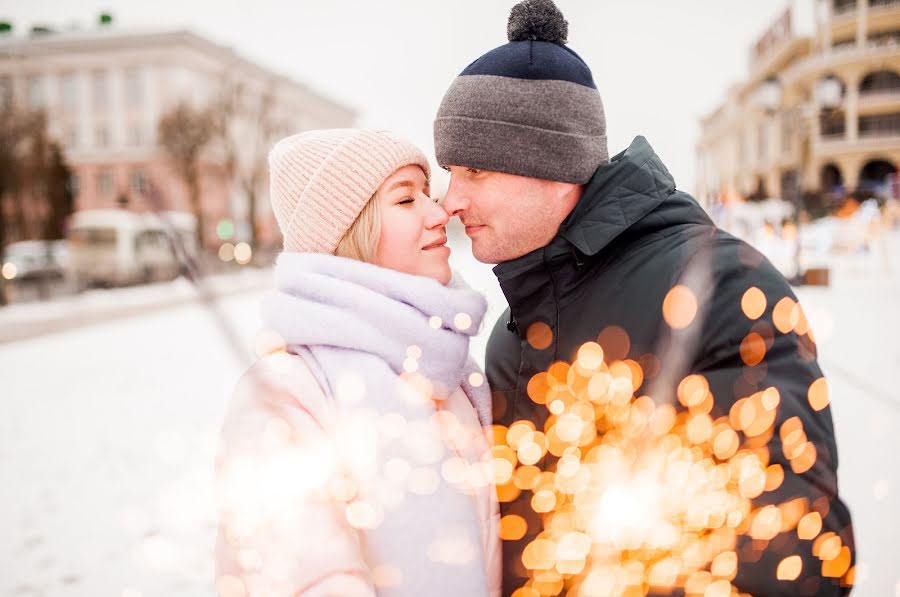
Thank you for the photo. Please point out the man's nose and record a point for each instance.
(455, 201)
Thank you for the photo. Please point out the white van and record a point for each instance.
(113, 247)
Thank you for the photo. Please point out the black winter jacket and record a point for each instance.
(604, 277)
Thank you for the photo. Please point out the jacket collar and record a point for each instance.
(618, 195)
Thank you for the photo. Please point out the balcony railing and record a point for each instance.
(843, 6)
(879, 125)
(880, 134)
(883, 3)
(872, 102)
(843, 54)
(886, 38)
(849, 47)
(843, 45)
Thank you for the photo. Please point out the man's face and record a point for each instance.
(505, 215)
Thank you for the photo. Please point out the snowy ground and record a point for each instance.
(858, 320)
(30, 319)
(109, 430)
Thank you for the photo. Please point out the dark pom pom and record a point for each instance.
(537, 20)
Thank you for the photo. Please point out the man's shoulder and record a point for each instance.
(738, 265)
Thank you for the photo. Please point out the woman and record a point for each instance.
(354, 461)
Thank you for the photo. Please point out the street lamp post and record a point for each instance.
(827, 95)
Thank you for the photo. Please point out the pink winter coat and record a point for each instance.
(279, 428)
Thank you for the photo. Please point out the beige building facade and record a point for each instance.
(104, 92)
(819, 111)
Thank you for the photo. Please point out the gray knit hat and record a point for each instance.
(529, 107)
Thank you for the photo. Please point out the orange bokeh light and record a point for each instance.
(819, 394)
(753, 303)
(753, 349)
(680, 307)
(789, 568)
(539, 335)
(786, 315)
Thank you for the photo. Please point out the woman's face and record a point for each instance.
(413, 234)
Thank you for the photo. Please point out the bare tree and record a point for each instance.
(8, 176)
(184, 132)
(60, 200)
(246, 124)
(23, 141)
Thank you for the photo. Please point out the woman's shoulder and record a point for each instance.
(282, 380)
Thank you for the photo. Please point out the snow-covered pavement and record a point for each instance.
(28, 320)
(108, 435)
(857, 321)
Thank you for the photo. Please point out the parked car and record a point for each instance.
(114, 247)
(30, 260)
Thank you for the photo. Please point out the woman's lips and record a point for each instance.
(441, 243)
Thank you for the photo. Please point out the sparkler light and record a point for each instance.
(646, 498)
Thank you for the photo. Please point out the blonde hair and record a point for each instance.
(361, 239)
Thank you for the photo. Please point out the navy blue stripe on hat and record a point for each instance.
(534, 60)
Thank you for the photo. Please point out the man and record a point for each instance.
(589, 248)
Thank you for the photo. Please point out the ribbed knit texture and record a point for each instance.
(321, 180)
(529, 107)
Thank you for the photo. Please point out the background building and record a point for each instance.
(104, 92)
(819, 113)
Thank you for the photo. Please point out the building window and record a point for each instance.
(133, 88)
(100, 88)
(830, 180)
(881, 81)
(71, 138)
(831, 123)
(36, 97)
(69, 92)
(134, 136)
(6, 93)
(138, 182)
(879, 125)
(74, 185)
(842, 6)
(102, 137)
(105, 183)
(789, 187)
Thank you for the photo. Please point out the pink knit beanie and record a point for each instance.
(321, 180)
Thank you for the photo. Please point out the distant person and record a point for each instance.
(333, 471)
(585, 243)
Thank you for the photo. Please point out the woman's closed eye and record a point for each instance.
(411, 200)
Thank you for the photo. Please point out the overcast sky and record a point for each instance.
(659, 64)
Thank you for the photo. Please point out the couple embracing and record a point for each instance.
(357, 461)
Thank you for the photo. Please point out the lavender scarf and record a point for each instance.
(349, 317)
